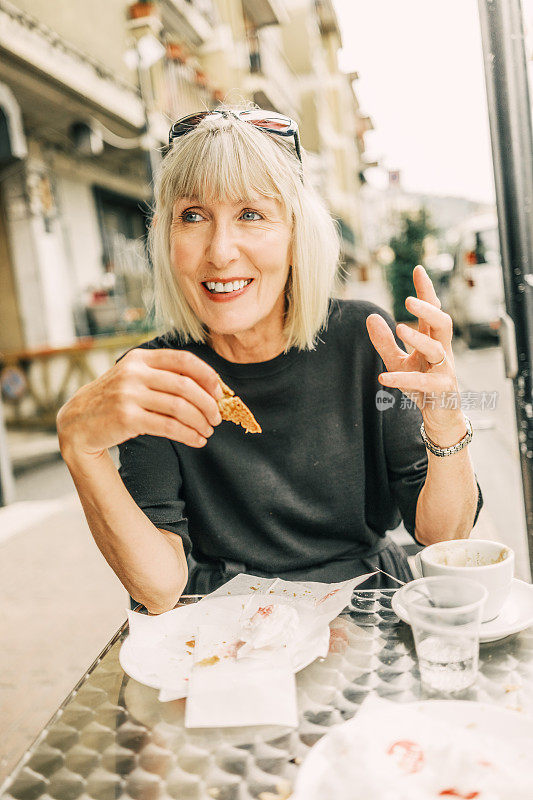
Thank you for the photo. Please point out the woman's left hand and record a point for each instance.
(415, 373)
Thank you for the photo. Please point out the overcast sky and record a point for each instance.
(422, 82)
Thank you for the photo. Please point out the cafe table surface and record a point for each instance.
(112, 737)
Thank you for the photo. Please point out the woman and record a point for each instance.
(244, 256)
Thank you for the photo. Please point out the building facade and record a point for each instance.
(87, 92)
(332, 123)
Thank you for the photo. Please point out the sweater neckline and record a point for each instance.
(256, 369)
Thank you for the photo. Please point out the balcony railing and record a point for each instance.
(267, 60)
(45, 378)
(43, 52)
(183, 93)
(192, 20)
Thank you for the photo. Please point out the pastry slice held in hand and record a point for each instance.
(234, 410)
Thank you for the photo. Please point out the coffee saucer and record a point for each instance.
(515, 616)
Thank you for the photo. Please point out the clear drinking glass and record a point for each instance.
(445, 615)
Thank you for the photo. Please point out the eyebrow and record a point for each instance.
(240, 202)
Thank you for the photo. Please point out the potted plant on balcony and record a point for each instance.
(142, 8)
(175, 52)
(200, 77)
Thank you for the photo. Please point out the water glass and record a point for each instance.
(445, 615)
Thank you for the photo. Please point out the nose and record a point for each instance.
(222, 248)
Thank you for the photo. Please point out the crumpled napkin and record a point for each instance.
(243, 670)
(227, 689)
(390, 751)
(160, 650)
(269, 625)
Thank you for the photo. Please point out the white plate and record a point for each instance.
(133, 660)
(501, 723)
(160, 650)
(489, 719)
(515, 616)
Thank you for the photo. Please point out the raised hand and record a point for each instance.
(430, 367)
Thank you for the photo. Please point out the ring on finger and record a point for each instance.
(405, 329)
(438, 363)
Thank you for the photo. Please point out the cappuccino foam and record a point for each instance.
(465, 557)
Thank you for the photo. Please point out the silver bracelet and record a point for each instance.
(447, 451)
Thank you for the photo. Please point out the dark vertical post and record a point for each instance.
(7, 486)
(509, 106)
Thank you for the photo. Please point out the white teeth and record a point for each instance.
(231, 286)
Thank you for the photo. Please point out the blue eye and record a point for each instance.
(187, 214)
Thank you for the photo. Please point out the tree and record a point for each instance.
(408, 248)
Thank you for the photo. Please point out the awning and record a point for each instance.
(12, 139)
(265, 12)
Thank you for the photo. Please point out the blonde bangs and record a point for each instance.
(225, 159)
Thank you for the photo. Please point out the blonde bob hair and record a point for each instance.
(227, 159)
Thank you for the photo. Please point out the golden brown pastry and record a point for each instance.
(234, 410)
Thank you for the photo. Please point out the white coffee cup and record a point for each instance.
(489, 563)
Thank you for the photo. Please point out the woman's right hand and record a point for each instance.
(164, 392)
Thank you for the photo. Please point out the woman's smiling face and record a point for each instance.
(232, 261)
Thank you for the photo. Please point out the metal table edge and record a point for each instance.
(55, 716)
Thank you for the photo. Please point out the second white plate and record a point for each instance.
(324, 762)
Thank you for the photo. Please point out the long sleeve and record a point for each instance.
(150, 471)
(406, 455)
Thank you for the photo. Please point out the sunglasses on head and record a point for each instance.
(269, 121)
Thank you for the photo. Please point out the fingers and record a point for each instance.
(177, 407)
(172, 394)
(416, 381)
(170, 383)
(182, 362)
(383, 340)
(424, 286)
(425, 291)
(154, 424)
(432, 350)
(439, 322)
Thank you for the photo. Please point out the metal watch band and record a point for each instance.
(447, 451)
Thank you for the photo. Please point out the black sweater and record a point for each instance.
(325, 480)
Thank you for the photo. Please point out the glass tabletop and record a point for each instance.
(112, 737)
